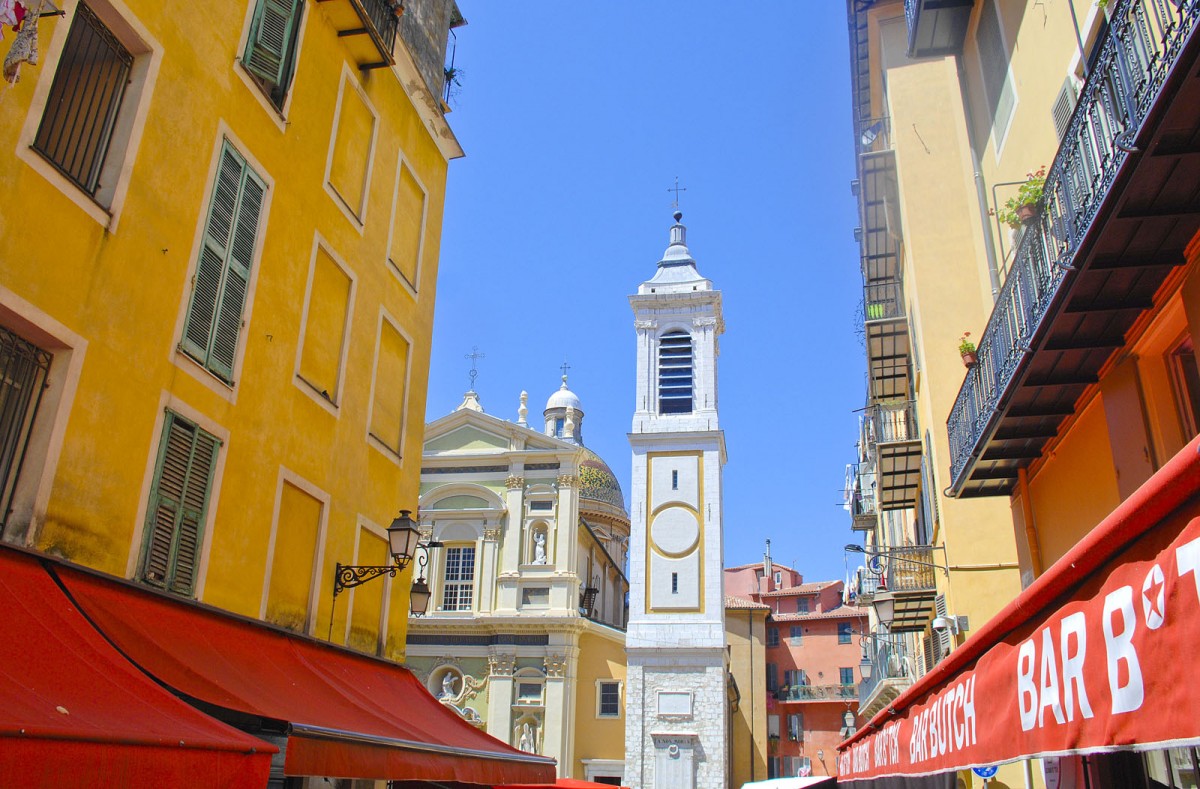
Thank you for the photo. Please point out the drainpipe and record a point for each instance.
(989, 246)
(750, 744)
(1031, 536)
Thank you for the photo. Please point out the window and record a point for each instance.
(675, 373)
(541, 505)
(23, 369)
(458, 583)
(778, 578)
(271, 48)
(773, 764)
(674, 583)
(1185, 378)
(214, 318)
(178, 505)
(529, 693)
(802, 605)
(772, 636)
(608, 701)
(795, 677)
(674, 480)
(796, 767)
(843, 632)
(846, 676)
(84, 100)
(997, 82)
(773, 726)
(795, 724)
(773, 680)
(795, 635)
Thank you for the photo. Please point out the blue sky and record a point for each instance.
(576, 118)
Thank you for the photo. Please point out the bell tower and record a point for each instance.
(676, 697)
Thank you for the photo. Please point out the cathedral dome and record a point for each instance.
(598, 483)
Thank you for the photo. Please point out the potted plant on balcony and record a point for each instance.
(1026, 205)
(967, 349)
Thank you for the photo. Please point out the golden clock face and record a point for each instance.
(675, 531)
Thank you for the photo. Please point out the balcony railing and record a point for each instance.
(361, 21)
(890, 665)
(1146, 38)
(895, 422)
(883, 300)
(874, 134)
(817, 693)
(908, 568)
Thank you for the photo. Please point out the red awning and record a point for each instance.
(350, 715)
(561, 783)
(73, 711)
(1096, 655)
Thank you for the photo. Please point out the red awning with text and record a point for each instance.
(74, 712)
(349, 715)
(1097, 654)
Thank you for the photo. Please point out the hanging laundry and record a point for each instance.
(12, 13)
(24, 48)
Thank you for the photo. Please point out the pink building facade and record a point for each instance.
(811, 664)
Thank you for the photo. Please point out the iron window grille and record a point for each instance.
(84, 101)
(23, 371)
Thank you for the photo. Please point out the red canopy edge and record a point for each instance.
(561, 783)
(1159, 501)
(72, 707)
(351, 715)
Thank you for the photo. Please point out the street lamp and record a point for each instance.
(885, 607)
(403, 537)
(866, 669)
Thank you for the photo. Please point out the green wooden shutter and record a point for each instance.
(270, 36)
(214, 318)
(178, 503)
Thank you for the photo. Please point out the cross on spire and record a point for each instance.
(676, 189)
(564, 368)
(474, 356)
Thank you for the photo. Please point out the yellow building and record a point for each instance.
(745, 638)
(1019, 183)
(224, 280)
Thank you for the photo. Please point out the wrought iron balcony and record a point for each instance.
(874, 134)
(1113, 223)
(883, 301)
(898, 454)
(891, 672)
(863, 512)
(907, 577)
(865, 585)
(936, 27)
(817, 693)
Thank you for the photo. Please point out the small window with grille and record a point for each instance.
(609, 700)
(84, 101)
(675, 373)
(23, 371)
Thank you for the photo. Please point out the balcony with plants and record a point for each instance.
(799, 693)
(1109, 225)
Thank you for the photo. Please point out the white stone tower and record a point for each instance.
(676, 700)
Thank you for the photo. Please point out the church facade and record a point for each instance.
(679, 690)
(525, 631)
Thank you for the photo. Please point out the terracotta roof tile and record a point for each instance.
(744, 603)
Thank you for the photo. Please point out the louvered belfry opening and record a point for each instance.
(23, 369)
(84, 100)
(675, 373)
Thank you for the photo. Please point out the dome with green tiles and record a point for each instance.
(598, 483)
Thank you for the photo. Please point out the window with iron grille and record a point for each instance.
(271, 47)
(675, 373)
(84, 100)
(610, 700)
(458, 582)
(23, 369)
(214, 319)
(178, 505)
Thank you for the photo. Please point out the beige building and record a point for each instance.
(745, 637)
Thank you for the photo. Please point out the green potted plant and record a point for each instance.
(967, 349)
(1026, 205)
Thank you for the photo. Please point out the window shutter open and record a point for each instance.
(1064, 106)
(223, 271)
(177, 506)
(270, 32)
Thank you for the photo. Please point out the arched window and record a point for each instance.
(675, 373)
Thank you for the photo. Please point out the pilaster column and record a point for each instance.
(500, 696)
(564, 534)
(558, 718)
(514, 527)
(486, 583)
